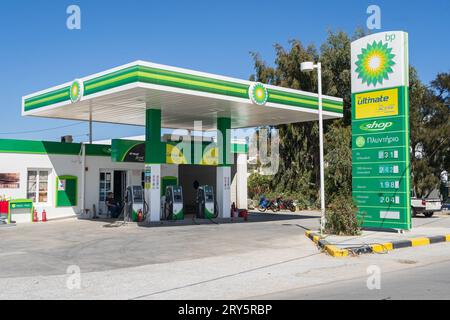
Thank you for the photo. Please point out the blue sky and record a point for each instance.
(37, 51)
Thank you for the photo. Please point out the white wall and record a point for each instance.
(57, 165)
(241, 181)
(60, 165)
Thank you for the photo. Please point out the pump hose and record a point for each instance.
(145, 211)
(216, 209)
(216, 213)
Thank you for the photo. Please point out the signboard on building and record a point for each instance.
(127, 151)
(134, 151)
(9, 180)
(380, 130)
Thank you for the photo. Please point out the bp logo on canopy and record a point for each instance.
(76, 90)
(258, 94)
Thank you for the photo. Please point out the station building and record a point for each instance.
(69, 179)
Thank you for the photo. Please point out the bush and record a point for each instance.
(258, 185)
(341, 217)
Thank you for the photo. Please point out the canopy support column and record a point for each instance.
(154, 157)
(90, 123)
(223, 194)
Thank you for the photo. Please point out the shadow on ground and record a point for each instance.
(190, 220)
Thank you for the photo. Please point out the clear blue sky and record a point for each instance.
(38, 51)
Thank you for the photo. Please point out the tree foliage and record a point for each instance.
(430, 131)
(299, 142)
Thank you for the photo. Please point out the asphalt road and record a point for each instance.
(426, 282)
(267, 257)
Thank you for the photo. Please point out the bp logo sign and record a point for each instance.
(375, 63)
(76, 91)
(258, 94)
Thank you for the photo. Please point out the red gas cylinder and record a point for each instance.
(44, 216)
(35, 216)
(140, 216)
(4, 207)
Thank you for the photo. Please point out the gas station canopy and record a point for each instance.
(121, 95)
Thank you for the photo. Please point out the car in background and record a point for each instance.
(426, 206)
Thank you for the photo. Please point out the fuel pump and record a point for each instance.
(206, 203)
(173, 205)
(135, 206)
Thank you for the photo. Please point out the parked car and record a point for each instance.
(425, 206)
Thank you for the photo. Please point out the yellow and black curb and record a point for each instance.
(336, 252)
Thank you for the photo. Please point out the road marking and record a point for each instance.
(14, 253)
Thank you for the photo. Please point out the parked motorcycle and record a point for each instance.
(290, 205)
(282, 204)
(265, 204)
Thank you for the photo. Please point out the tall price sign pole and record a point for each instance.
(380, 130)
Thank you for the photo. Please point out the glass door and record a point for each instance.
(106, 186)
(37, 186)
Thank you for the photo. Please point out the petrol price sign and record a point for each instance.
(380, 130)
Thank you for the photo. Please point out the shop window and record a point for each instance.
(37, 185)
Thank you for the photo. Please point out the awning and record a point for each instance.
(122, 94)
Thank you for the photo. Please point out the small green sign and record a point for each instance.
(21, 205)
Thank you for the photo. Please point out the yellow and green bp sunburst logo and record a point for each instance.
(258, 94)
(375, 63)
(76, 91)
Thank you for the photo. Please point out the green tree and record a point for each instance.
(299, 142)
(430, 131)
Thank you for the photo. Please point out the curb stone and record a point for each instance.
(336, 252)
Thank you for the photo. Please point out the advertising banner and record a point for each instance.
(176, 153)
(380, 130)
(9, 180)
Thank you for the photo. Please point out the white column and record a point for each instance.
(322, 161)
(83, 179)
(241, 181)
(223, 192)
(153, 191)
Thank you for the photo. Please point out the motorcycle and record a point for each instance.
(282, 204)
(265, 204)
(290, 205)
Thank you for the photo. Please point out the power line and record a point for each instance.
(41, 130)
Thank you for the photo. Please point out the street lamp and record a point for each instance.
(308, 67)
